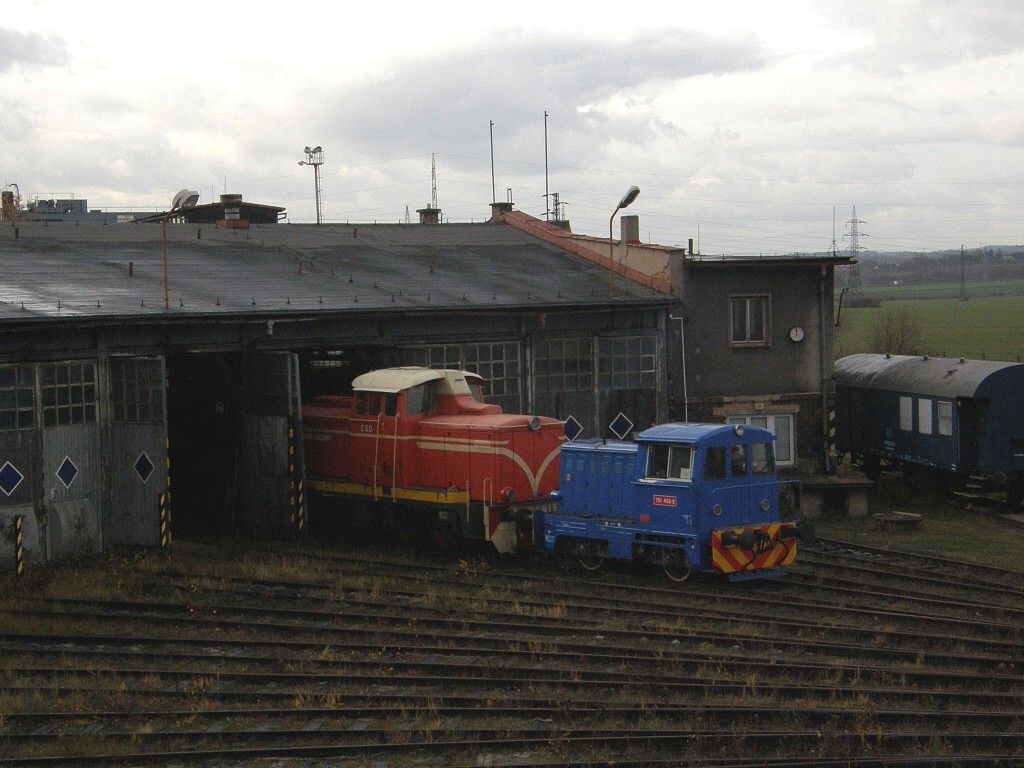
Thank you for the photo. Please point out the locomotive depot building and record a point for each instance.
(118, 385)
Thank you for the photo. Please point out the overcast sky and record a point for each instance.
(743, 124)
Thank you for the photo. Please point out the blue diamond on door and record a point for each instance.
(573, 428)
(621, 426)
(67, 472)
(144, 467)
(10, 478)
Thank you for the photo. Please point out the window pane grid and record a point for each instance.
(136, 391)
(563, 365)
(17, 397)
(626, 362)
(69, 394)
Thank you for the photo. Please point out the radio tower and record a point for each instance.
(854, 233)
(433, 182)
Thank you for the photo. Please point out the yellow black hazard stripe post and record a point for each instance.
(296, 488)
(165, 519)
(19, 547)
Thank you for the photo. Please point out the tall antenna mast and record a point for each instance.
(834, 248)
(433, 182)
(494, 194)
(855, 248)
(547, 207)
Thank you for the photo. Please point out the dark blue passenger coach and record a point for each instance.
(962, 417)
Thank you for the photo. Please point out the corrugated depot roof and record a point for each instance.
(937, 376)
(398, 379)
(97, 271)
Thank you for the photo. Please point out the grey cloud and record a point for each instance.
(30, 49)
(446, 101)
(921, 35)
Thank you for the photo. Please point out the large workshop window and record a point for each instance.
(627, 377)
(750, 321)
(496, 362)
(17, 397)
(137, 391)
(627, 362)
(69, 394)
(563, 365)
(563, 380)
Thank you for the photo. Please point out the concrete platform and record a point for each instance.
(845, 493)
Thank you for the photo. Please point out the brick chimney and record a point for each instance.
(629, 227)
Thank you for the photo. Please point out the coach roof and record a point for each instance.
(936, 376)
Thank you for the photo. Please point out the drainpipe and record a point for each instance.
(824, 369)
(682, 356)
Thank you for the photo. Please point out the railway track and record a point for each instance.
(324, 655)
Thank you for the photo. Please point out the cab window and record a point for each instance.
(390, 404)
(671, 462)
(761, 459)
(421, 398)
(738, 461)
(714, 464)
(363, 403)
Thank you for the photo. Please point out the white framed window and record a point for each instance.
(924, 415)
(906, 413)
(945, 414)
(749, 320)
(670, 462)
(780, 425)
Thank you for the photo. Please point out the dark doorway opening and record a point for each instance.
(204, 416)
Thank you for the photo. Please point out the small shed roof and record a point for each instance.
(937, 376)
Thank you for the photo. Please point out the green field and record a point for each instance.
(944, 290)
(987, 327)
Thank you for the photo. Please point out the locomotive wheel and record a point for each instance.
(677, 567)
(590, 556)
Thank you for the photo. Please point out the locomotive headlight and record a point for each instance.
(764, 505)
(534, 423)
(508, 493)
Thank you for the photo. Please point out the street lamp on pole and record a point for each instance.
(626, 201)
(315, 158)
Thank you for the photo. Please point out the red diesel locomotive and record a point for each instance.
(423, 440)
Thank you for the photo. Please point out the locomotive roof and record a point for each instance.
(394, 380)
(938, 376)
(689, 432)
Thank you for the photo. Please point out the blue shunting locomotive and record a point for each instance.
(684, 496)
(964, 418)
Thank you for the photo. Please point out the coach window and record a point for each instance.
(945, 413)
(924, 416)
(714, 464)
(907, 414)
(749, 320)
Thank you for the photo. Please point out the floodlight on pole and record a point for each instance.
(625, 202)
(315, 158)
